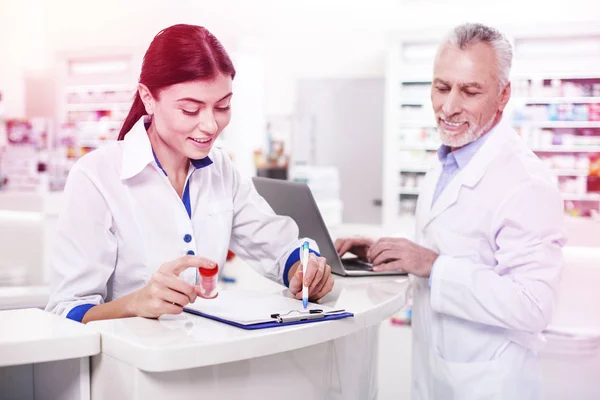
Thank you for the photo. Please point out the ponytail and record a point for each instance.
(136, 112)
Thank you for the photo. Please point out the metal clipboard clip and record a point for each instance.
(296, 315)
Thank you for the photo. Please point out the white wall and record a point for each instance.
(22, 46)
(310, 38)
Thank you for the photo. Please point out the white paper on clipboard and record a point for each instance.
(249, 307)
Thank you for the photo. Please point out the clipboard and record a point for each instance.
(252, 310)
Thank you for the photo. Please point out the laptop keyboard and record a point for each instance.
(357, 265)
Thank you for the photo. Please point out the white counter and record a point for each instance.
(188, 355)
(47, 203)
(16, 297)
(44, 356)
(33, 336)
(187, 341)
(27, 224)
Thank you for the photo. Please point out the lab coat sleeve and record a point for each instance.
(519, 293)
(266, 241)
(84, 250)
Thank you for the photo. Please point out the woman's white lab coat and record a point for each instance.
(122, 219)
(498, 227)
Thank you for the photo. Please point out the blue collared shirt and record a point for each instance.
(452, 163)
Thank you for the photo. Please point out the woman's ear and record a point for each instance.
(147, 98)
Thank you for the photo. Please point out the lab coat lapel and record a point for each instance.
(423, 211)
(467, 177)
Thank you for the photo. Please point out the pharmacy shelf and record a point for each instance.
(551, 75)
(417, 102)
(97, 106)
(570, 172)
(100, 88)
(558, 124)
(95, 143)
(556, 100)
(220, 143)
(414, 80)
(99, 123)
(407, 190)
(582, 197)
(567, 149)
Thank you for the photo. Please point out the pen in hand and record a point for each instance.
(304, 261)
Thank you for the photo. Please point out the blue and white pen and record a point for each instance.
(304, 261)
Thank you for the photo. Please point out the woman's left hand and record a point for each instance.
(318, 278)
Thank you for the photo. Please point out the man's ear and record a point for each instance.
(504, 96)
(147, 98)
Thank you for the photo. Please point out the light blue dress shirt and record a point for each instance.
(452, 163)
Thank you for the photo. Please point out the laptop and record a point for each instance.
(295, 200)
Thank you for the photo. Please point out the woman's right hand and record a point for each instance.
(166, 293)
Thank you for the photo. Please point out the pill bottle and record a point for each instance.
(208, 281)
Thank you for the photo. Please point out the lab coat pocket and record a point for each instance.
(457, 244)
(465, 381)
(217, 208)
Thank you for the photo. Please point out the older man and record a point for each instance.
(488, 254)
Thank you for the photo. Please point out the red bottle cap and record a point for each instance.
(208, 271)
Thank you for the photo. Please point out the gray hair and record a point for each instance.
(467, 35)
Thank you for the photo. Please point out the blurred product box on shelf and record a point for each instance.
(556, 88)
(557, 112)
(582, 208)
(588, 137)
(594, 112)
(538, 137)
(571, 89)
(416, 113)
(272, 162)
(97, 110)
(418, 135)
(520, 88)
(417, 158)
(415, 91)
(37, 157)
(593, 184)
(93, 96)
(581, 112)
(411, 180)
(324, 183)
(27, 132)
(567, 162)
(593, 180)
(408, 206)
(573, 185)
(23, 158)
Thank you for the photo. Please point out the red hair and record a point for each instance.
(179, 53)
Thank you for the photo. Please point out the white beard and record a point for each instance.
(451, 139)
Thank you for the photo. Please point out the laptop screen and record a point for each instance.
(295, 200)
